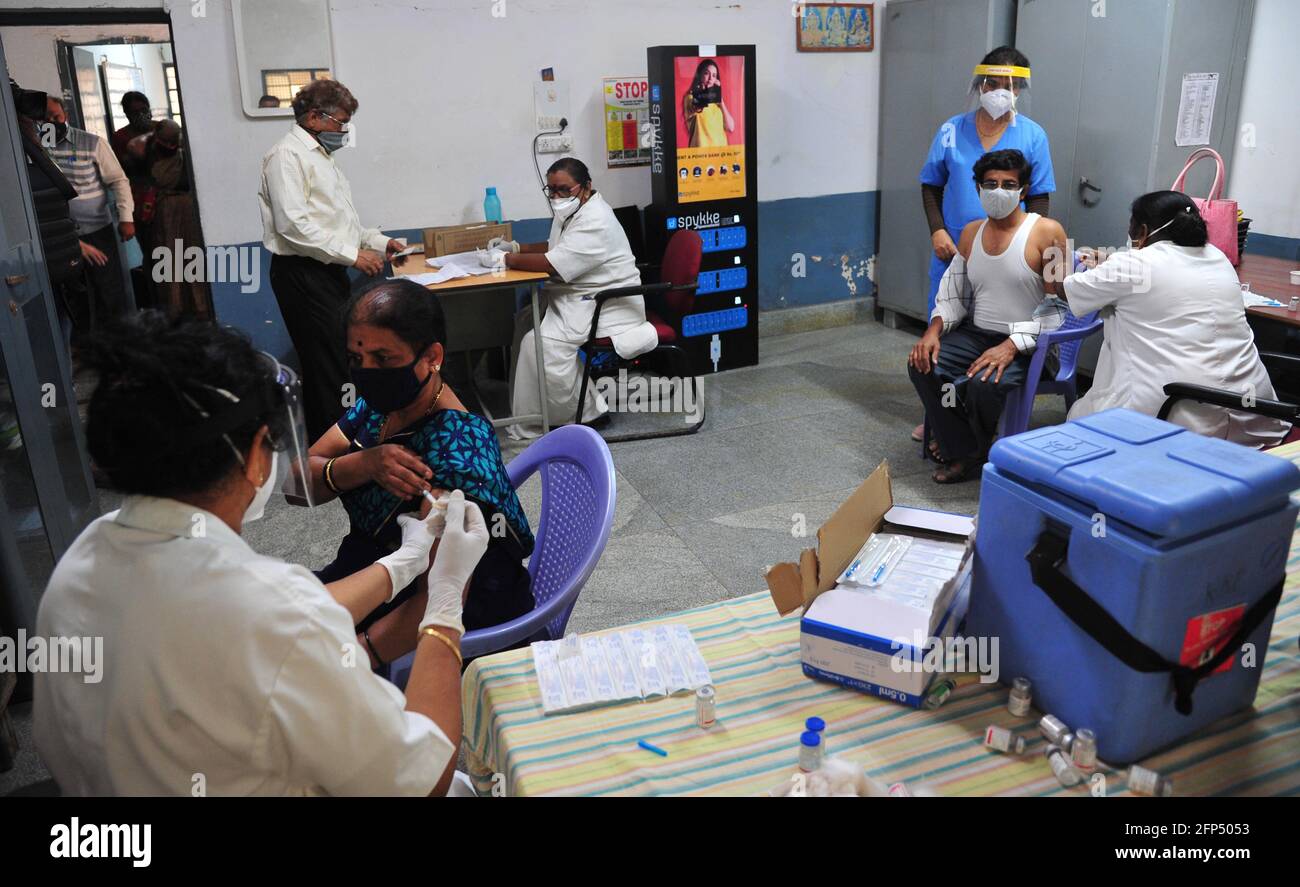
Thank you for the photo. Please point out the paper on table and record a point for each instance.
(1255, 300)
(430, 277)
(468, 262)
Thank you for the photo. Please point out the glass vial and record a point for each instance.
(810, 751)
(1061, 769)
(1003, 740)
(939, 694)
(1052, 728)
(1142, 781)
(705, 707)
(1022, 695)
(1084, 753)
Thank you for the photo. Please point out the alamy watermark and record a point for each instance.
(53, 655)
(215, 264)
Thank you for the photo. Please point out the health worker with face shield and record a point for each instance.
(588, 253)
(994, 122)
(223, 671)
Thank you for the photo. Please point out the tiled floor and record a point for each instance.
(700, 517)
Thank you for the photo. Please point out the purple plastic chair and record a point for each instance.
(1069, 337)
(1020, 402)
(578, 496)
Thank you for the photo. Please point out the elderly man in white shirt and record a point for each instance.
(314, 234)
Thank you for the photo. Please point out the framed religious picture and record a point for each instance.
(836, 27)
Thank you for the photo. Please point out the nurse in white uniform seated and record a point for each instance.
(223, 671)
(1172, 312)
(588, 252)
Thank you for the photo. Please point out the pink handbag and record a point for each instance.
(1220, 215)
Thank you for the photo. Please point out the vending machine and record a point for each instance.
(704, 178)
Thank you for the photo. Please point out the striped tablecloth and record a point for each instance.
(763, 699)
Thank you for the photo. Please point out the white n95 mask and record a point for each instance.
(997, 102)
(257, 507)
(563, 207)
(999, 203)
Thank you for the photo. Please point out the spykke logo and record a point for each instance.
(102, 841)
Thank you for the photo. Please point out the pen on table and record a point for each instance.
(654, 748)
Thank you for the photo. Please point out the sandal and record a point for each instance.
(957, 472)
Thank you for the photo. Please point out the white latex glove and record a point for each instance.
(412, 557)
(510, 246)
(464, 539)
(492, 258)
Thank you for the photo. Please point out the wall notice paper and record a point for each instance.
(1196, 109)
(583, 671)
(627, 110)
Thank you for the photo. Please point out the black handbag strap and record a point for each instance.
(1046, 559)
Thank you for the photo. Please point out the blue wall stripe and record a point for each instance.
(828, 231)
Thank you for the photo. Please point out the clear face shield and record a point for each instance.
(1001, 90)
(287, 435)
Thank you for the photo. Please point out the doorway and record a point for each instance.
(92, 60)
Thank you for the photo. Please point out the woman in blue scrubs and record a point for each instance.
(993, 126)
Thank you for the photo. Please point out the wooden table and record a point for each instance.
(510, 279)
(1270, 277)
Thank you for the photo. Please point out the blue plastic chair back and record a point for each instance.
(578, 498)
(1068, 351)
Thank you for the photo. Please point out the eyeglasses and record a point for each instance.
(560, 190)
(990, 185)
(342, 123)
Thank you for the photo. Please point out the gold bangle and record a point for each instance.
(434, 633)
(328, 475)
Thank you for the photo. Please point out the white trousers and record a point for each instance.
(564, 375)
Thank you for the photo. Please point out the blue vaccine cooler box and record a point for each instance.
(1130, 569)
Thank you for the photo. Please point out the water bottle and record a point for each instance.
(492, 206)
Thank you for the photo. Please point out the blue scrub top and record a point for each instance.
(951, 165)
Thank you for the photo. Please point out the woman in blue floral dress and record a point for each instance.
(406, 433)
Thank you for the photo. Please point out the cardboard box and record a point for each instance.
(450, 239)
(851, 638)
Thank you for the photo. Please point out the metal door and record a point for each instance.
(89, 95)
(930, 48)
(46, 495)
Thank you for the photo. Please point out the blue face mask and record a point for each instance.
(331, 141)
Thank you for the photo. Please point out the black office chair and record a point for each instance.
(667, 302)
(1238, 400)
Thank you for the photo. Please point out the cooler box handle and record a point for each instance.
(1045, 561)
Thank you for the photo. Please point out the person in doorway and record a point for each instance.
(93, 169)
(992, 306)
(173, 225)
(52, 194)
(313, 232)
(139, 122)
